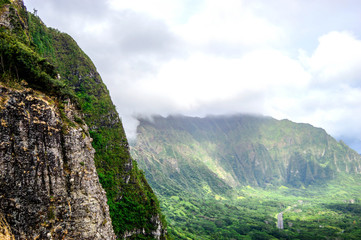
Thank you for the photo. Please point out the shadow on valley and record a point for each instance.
(349, 208)
(229, 177)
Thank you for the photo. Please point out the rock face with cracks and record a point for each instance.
(49, 185)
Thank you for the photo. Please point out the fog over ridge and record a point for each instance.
(296, 60)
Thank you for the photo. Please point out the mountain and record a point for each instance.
(210, 163)
(61, 136)
(230, 151)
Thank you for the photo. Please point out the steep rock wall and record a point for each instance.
(49, 185)
(51, 62)
(133, 206)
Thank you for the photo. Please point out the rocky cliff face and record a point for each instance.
(49, 186)
(52, 63)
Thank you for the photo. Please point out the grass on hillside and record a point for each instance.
(331, 211)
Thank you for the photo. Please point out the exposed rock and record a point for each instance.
(8, 12)
(158, 234)
(48, 183)
(128, 234)
(49, 188)
(5, 17)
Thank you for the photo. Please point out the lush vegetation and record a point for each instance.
(226, 152)
(319, 212)
(19, 62)
(132, 202)
(229, 177)
(47, 60)
(3, 2)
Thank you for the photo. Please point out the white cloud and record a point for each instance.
(338, 55)
(262, 82)
(169, 10)
(334, 109)
(216, 57)
(229, 23)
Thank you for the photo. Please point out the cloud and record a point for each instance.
(289, 59)
(337, 58)
(332, 99)
(169, 10)
(228, 27)
(204, 78)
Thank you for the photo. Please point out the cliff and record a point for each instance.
(77, 134)
(238, 150)
(49, 186)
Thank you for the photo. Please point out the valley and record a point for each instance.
(228, 177)
(320, 212)
(68, 171)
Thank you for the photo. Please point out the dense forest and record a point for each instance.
(228, 177)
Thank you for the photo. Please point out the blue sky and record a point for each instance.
(294, 59)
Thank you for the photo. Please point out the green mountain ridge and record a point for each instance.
(244, 150)
(228, 177)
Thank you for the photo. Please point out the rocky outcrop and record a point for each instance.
(5, 19)
(49, 185)
(157, 234)
(10, 16)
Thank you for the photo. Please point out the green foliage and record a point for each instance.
(3, 2)
(229, 177)
(132, 203)
(52, 62)
(318, 212)
(137, 201)
(18, 19)
(213, 154)
(41, 39)
(19, 62)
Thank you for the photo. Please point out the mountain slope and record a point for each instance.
(230, 176)
(43, 59)
(240, 150)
